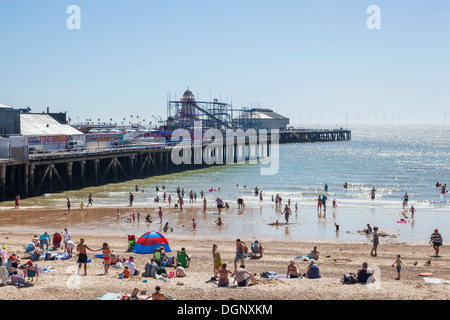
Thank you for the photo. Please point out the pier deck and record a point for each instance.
(65, 170)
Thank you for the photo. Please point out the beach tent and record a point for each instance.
(151, 241)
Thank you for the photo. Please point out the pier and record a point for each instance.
(63, 170)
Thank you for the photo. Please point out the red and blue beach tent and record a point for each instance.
(151, 241)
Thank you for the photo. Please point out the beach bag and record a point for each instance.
(17, 279)
(161, 270)
(349, 278)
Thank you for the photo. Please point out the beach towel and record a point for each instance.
(219, 262)
(110, 296)
(432, 280)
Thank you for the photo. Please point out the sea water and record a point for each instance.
(395, 159)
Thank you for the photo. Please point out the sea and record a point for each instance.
(393, 159)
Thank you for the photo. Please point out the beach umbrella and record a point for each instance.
(150, 241)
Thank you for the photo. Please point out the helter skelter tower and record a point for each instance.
(184, 112)
(188, 107)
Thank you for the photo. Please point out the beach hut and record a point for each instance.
(151, 241)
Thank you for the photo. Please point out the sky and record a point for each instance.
(315, 62)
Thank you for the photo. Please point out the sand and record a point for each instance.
(339, 259)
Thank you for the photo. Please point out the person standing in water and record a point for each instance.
(16, 203)
(90, 200)
(405, 200)
(412, 210)
(131, 198)
(372, 193)
(319, 203)
(287, 212)
(68, 206)
(324, 203)
(160, 214)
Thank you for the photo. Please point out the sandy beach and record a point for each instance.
(337, 259)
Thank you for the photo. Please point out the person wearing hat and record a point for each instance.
(313, 270)
(11, 265)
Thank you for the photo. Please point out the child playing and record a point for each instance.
(126, 272)
(194, 225)
(398, 264)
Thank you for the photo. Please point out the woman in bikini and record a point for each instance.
(292, 271)
(106, 256)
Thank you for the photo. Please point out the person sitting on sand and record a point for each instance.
(134, 294)
(179, 271)
(157, 295)
(223, 273)
(312, 272)
(166, 227)
(150, 268)
(292, 271)
(243, 277)
(114, 258)
(133, 269)
(126, 272)
(315, 254)
(364, 274)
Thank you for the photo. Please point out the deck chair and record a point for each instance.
(158, 256)
(32, 274)
(131, 242)
(182, 258)
(56, 240)
(256, 250)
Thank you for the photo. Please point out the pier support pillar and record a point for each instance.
(26, 180)
(31, 169)
(50, 176)
(12, 180)
(69, 174)
(82, 178)
(95, 163)
(132, 166)
(115, 169)
(3, 183)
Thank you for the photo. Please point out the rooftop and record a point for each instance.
(32, 124)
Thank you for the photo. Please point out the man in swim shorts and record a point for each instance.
(243, 277)
(82, 255)
(287, 212)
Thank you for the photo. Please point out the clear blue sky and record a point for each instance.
(312, 61)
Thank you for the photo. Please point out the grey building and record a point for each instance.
(261, 119)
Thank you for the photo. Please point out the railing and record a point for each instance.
(63, 153)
